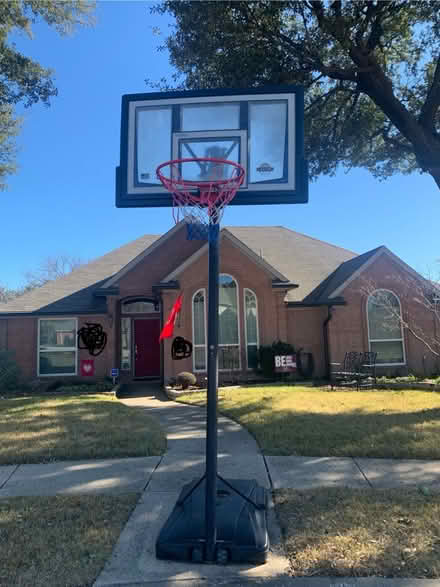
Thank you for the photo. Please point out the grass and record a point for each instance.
(349, 532)
(41, 429)
(59, 541)
(317, 422)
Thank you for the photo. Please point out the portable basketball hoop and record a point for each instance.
(200, 201)
(214, 520)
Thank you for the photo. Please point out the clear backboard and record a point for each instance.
(262, 129)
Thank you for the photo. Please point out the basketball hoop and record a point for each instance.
(200, 201)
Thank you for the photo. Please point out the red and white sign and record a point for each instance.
(87, 367)
(285, 363)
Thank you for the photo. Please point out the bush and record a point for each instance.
(186, 379)
(268, 352)
(9, 372)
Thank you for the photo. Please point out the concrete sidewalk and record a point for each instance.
(170, 472)
(160, 479)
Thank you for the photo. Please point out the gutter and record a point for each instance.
(326, 345)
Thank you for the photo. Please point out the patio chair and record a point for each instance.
(358, 369)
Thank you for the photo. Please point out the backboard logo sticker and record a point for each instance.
(265, 168)
(145, 176)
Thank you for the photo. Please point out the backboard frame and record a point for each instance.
(293, 189)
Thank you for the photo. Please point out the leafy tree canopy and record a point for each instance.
(371, 70)
(23, 80)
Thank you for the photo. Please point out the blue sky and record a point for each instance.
(62, 199)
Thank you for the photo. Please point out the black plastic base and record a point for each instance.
(241, 524)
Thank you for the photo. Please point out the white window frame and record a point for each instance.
(238, 324)
(58, 349)
(204, 346)
(257, 344)
(401, 340)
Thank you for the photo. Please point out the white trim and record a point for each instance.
(238, 323)
(205, 346)
(257, 344)
(58, 349)
(128, 317)
(379, 340)
(291, 107)
(141, 256)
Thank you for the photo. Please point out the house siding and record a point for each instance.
(305, 331)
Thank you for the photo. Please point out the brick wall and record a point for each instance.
(348, 328)
(248, 275)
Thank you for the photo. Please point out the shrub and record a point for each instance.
(268, 352)
(186, 379)
(9, 372)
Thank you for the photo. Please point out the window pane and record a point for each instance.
(228, 148)
(138, 307)
(267, 127)
(153, 137)
(251, 317)
(252, 356)
(199, 318)
(229, 358)
(228, 315)
(383, 315)
(57, 333)
(57, 362)
(210, 116)
(126, 344)
(199, 359)
(388, 352)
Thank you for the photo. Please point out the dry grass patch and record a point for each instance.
(349, 532)
(43, 429)
(317, 422)
(59, 541)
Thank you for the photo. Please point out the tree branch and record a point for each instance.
(431, 105)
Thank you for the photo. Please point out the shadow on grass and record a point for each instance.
(356, 432)
(43, 429)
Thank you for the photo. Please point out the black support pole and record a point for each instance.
(211, 409)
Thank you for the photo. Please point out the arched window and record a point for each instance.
(138, 307)
(385, 328)
(228, 327)
(251, 328)
(199, 330)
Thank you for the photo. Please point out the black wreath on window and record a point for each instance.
(91, 337)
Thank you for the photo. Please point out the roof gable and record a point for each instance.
(367, 261)
(225, 233)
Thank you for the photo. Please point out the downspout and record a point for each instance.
(326, 343)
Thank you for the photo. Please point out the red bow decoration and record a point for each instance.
(167, 330)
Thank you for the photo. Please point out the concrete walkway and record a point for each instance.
(160, 479)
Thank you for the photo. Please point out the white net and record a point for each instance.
(201, 188)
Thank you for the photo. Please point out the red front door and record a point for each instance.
(147, 347)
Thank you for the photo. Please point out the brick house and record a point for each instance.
(275, 284)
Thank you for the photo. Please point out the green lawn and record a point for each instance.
(59, 541)
(317, 422)
(41, 429)
(353, 532)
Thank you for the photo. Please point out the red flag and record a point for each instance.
(167, 330)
